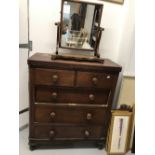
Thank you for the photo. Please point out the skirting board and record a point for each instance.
(23, 119)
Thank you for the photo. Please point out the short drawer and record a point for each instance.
(54, 77)
(93, 79)
(57, 95)
(45, 113)
(68, 132)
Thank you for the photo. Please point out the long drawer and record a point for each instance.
(57, 95)
(94, 79)
(46, 113)
(54, 77)
(68, 132)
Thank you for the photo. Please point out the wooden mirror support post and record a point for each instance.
(99, 35)
(58, 36)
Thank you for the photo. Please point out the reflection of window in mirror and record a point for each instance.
(66, 17)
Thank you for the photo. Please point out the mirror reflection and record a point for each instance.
(80, 22)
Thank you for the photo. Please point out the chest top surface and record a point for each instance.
(44, 60)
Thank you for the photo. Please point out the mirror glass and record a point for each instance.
(79, 25)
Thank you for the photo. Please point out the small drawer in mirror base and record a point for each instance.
(77, 58)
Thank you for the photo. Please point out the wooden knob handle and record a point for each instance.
(52, 133)
(108, 76)
(54, 95)
(52, 114)
(87, 134)
(55, 78)
(89, 116)
(95, 80)
(91, 97)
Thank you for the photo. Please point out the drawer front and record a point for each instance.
(92, 79)
(56, 95)
(68, 132)
(54, 77)
(70, 114)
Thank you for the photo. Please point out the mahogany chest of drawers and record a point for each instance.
(70, 101)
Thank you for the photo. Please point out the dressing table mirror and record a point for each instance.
(79, 29)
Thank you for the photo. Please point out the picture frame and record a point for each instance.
(119, 132)
(132, 129)
(115, 1)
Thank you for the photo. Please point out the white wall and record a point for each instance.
(118, 38)
(43, 32)
(89, 19)
(23, 67)
(126, 49)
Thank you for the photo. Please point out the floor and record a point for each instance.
(24, 148)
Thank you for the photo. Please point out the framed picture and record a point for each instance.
(119, 132)
(115, 1)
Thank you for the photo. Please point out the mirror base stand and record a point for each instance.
(77, 58)
(96, 58)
